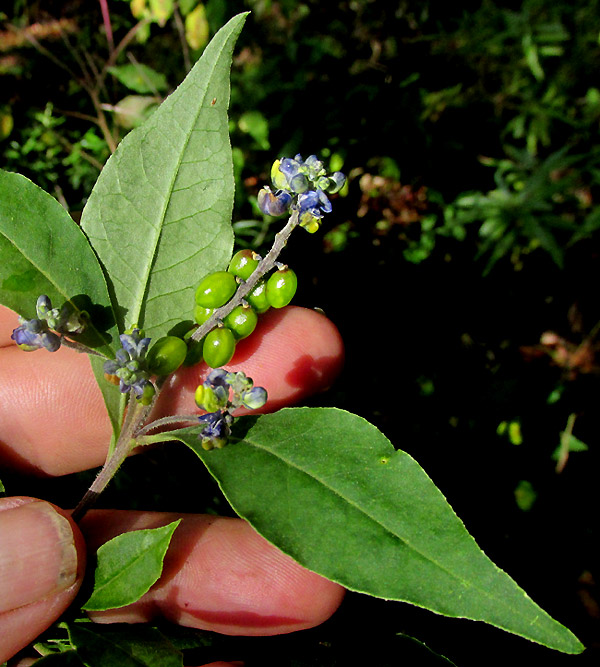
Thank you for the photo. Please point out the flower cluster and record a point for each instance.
(220, 394)
(129, 366)
(301, 185)
(46, 330)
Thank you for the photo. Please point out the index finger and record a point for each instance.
(53, 420)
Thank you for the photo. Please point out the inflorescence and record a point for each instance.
(51, 324)
(301, 188)
(301, 185)
(220, 394)
(129, 366)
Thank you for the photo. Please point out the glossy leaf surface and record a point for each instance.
(128, 565)
(159, 216)
(328, 488)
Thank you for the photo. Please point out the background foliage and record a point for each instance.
(467, 239)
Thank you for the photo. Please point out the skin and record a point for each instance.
(219, 574)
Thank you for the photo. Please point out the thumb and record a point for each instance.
(41, 566)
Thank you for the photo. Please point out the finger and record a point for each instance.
(219, 575)
(53, 420)
(35, 538)
(293, 353)
(8, 322)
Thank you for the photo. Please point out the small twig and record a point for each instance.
(165, 421)
(45, 52)
(184, 45)
(83, 349)
(86, 156)
(565, 442)
(107, 26)
(107, 134)
(123, 44)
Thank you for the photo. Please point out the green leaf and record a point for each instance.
(43, 251)
(159, 216)
(114, 400)
(197, 28)
(119, 646)
(330, 490)
(257, 126)
(128, 565)
(140, 78)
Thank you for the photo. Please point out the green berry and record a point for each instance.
(166, 355)
(258, 297)
(219, 346)
(243, 263)
(194, 351)
(242, 321)
(207, 399)
(216, 289)
(202, 314)
(147, 394)
(281, 287)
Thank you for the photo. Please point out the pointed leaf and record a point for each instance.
(128, 565)
(114, 400)
(140, 77)
(328, 488)
(43, 251)
(159, 216)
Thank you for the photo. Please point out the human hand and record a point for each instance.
(218, 574)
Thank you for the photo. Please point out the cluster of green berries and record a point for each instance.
(217, 289)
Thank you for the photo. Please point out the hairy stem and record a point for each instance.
(135, 414)
(165, 421)
(74, 345)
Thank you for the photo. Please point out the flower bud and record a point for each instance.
(254, 398)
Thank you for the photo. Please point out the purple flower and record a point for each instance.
(34, 335)
(129, 364)
(274, 204)
(216, 429)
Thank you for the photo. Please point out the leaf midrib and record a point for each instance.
(170, 190)
(390, 531)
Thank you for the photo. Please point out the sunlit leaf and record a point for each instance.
(328, 488)
(159, 216)
(140, 78)
(196, 27)
(128, 565)
(43, 251)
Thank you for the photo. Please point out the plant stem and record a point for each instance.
(81, 348)
(107, 26)
(135, 414)
(165, 421)
(264, 266)
(565, 441)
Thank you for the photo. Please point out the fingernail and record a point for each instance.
(37, 554)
